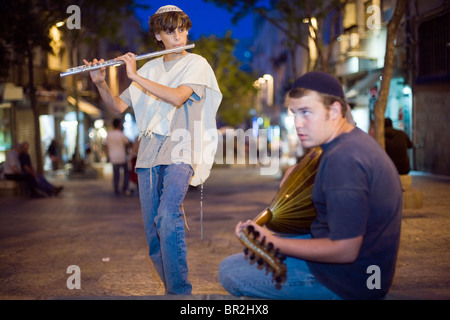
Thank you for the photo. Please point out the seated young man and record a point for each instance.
(352, 250)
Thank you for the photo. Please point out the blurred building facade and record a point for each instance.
(354, 40)
(57, 98)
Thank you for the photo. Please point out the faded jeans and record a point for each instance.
(162, 190)
(240, 278)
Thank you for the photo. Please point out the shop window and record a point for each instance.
(434, 48)
(5, 130)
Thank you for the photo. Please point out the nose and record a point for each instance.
(298, 121)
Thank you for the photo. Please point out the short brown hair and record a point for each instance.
(326, 99)
(168, 21)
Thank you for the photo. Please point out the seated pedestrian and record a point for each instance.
(13, 171)
(27, 169)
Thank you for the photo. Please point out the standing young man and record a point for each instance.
(175, 99)
(352, 249)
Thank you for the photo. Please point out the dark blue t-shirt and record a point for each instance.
(356, 192)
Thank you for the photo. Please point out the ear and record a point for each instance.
(336, 111)
(157, 36)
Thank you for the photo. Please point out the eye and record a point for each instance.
(305, 112)
(302, 113)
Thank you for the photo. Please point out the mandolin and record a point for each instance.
(291, 211)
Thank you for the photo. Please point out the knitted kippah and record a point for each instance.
(168, 8)
(321, 82)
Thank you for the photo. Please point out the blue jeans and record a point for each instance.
(44, 185)
(161, 191)
(240, 278)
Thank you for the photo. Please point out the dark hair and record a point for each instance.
(326, 99)
(117, 123)
(168, 21)
(388, 123)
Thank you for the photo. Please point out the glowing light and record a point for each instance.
(99, 123)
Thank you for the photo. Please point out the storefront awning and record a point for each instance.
(86, 107)
(366, 82)
(10, 92)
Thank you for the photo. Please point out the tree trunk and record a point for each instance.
(35, 110)
(77, 161)
(380, 105)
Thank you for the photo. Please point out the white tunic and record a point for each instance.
(154, 116)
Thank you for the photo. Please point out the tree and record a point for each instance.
(235, 84)
(380, 105)
(25, 27)
(296, 19)
(102, 19)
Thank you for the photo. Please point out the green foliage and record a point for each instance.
(235, 84)
(25, 24)
(23, 27)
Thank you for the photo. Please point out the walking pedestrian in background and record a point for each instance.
(117, 145)
(397, 144)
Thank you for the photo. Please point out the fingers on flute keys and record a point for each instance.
(92, 63)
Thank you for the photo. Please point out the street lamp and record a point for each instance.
(269, 79)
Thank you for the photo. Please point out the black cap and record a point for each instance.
(321, 82)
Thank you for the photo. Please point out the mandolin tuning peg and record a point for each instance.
(263, 240)
(246, 251)
(260, 261)
(270, 247)
(251, 228)
(252, 256)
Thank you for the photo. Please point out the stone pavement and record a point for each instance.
(88, 226)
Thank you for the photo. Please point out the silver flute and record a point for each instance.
(113, 62)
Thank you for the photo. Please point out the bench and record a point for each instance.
(10, 188)
(412, 198)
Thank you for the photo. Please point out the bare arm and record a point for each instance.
(29, 170)
(174, 96)
(113, 102)
(319, 250)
